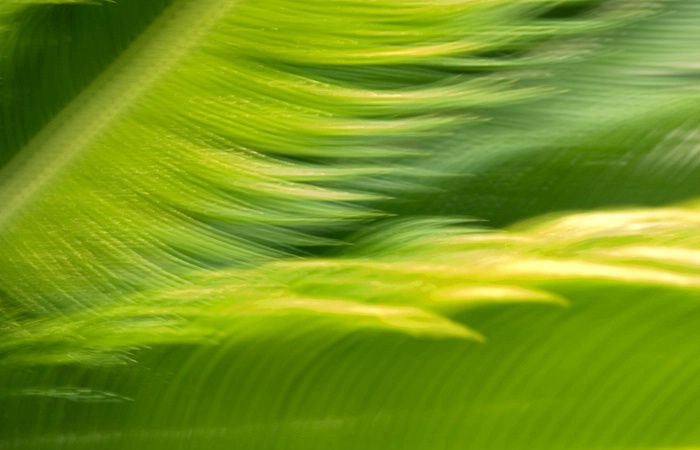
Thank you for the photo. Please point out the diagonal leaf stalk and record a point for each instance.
(110, 95)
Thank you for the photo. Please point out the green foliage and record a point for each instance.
(199, 246)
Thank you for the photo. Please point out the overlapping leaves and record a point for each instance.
(166, 189)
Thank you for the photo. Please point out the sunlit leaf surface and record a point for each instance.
(349, 224)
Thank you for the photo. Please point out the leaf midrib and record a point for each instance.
(58, 144)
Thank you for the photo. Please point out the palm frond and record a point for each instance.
(171, 149)
(623, 132)
(453, 332)
(197, 248)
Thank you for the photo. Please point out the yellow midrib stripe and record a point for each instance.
(162, 44)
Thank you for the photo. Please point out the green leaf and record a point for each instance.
(201, 138)
(188, 255)
(572, 332)
(623, 133)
